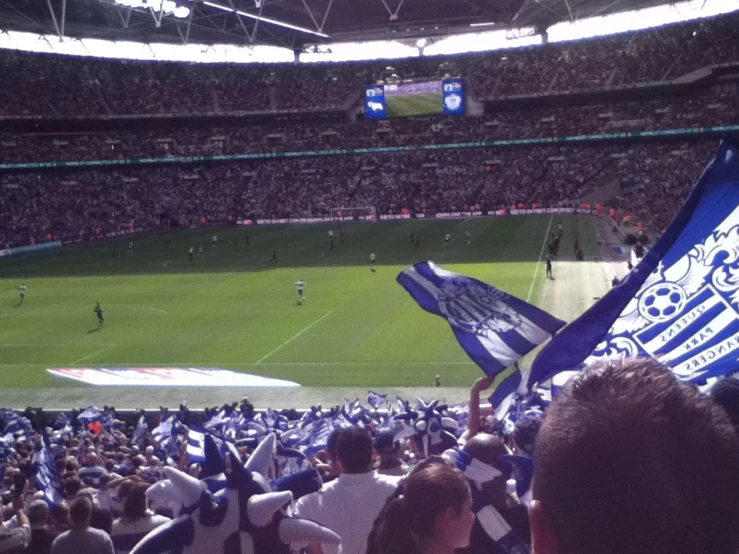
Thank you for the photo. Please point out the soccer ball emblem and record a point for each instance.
(662, 302)
(453, 102)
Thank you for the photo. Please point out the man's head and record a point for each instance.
(630, 460)
(354, 450)
(725, 393)
(72, 486)
(80, 512)
(488, 449)
(38, 513)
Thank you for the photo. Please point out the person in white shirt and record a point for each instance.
(136, 522)
(215, 241)
(469, 237)
(349, 505)
(300, 286)
(372, 262)
(447, 238)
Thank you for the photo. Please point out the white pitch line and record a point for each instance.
(538, 263)
(93, 354)
(288, 341)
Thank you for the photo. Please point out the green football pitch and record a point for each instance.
(235, 309)
(414, 104)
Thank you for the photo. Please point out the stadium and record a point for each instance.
(228, 230)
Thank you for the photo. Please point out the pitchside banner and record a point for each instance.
(680, 305)
(167, 377)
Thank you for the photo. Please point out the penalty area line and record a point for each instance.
(538, 262)
(288, 341)
(96, 353)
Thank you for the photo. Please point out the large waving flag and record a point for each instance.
(680, 305)
(47, 478)
(494, 328)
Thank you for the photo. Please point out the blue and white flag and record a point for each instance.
(141, 429)
(494, 328)
(680, 305)
(47, 478)
(375, 399)
(196, 444)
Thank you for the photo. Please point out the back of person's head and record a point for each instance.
(629, 460)
(72, 486)
(38, 513)
(59, 513)
(435, 508)
(134, 505)
(385, 445)
(80, 512)
(354, 450)
(725, 393)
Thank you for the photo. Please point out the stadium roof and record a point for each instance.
(292, 23)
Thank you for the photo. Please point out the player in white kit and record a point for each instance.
(372, 262)
(300, 286)
(22, 289)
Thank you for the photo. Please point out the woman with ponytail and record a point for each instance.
(433, 515)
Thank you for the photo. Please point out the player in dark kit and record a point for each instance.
(341, 238)
(274, 257)
(413, 238)
(99, 312)
(418, 241)
(247, 241)
(577, 244)
(549, 268)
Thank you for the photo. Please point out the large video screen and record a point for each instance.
(418, 98)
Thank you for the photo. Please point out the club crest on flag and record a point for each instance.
(476, 309)
(685, 315)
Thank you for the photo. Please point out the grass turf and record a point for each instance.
(415, 104)
(237, 310)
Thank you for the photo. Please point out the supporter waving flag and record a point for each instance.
(47, 478)
(680, 305)
(494, 328)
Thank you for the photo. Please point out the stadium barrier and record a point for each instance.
(30, 248)
(579, 139)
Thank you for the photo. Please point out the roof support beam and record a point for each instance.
(54, 20)
(249, 35)
(325, 15)
(393, 14)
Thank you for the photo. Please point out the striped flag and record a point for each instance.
(494, 328)
(680, 304)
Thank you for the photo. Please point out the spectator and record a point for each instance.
(630, 460)
(81, 538)
(17, 539)
(725, 393)
(433, 516)
(500, 520)
(390, 454)
(41, 535)
(349, 504)
(137, 520)
(58, 517)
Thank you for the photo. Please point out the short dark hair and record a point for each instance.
(134, 504)
(72, 485)
(354, 450)
(80, 510)
(630, 460)
(725, 393)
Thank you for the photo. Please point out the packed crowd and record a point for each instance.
(84, 203)
(563, 474)
(66, 86)
(702, 110)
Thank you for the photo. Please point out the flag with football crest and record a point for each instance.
(680, 304)
(494, 328)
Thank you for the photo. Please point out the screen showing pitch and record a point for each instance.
(418, 98)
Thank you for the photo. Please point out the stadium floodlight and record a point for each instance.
(265, 19)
